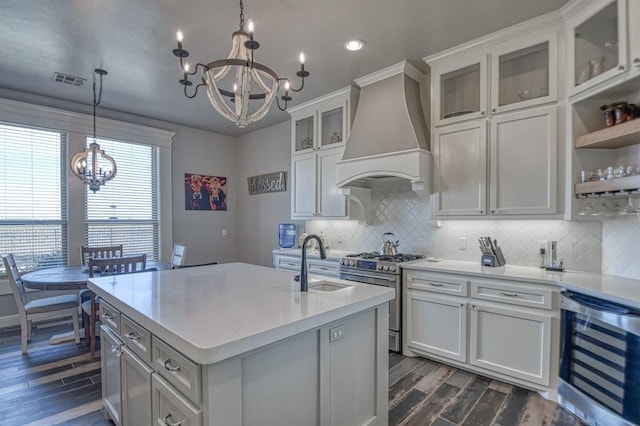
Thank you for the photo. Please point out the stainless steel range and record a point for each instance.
(384, 270)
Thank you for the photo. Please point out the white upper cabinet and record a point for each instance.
(460, 90)
(495, 135)
(503, 77)
(319, 130)
(320, 126)
(523, 75)
(602, 44)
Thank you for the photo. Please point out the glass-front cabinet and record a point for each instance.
(523, 77)
(305, 134)
(318, 129)
(461, 92)
(597, 45)
(508, 76)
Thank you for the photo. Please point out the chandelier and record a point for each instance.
(239, 88)
(93, 166)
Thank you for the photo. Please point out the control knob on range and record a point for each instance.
(385, 267)
(392, 268)
(352, 263)
(342, 261)
(379, 267)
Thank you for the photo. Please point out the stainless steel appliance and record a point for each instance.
(379, 269)
(600, 361)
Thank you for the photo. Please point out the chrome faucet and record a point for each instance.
(304, 286)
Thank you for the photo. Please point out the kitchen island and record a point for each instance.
(239, 344)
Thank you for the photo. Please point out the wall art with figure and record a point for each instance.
(204, 192)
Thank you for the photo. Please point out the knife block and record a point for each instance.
(493, 261)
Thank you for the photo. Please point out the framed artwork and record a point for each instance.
(202, 192)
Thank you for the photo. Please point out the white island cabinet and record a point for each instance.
(239, 344)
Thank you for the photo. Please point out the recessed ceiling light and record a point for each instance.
(354, 45)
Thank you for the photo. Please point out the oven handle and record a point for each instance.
(627, 322)
(371, 279)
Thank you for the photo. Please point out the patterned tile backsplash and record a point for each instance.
(621, 246)
(404, 213)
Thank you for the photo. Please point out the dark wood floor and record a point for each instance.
(423, 392)
(61, 385)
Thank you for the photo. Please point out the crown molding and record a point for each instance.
(52, 118)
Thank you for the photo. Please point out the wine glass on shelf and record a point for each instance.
(587, 210)
(630, 208)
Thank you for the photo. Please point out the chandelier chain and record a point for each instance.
(241, 15)
(96, 102)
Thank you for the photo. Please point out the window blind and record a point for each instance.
(125, 210)
(33, 197)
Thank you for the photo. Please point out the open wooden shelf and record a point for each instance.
(623, 134)
(628, 183)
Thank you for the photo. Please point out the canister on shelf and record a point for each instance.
(620, 112)
(609, 119)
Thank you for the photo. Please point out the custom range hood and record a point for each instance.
(389, 140)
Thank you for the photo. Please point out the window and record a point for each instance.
(33, 197)
(125, 210)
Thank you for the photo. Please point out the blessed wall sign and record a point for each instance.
(271, 182)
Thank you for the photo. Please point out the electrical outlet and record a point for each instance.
(224, 232)
(542, 244)
(462, 243)
(336, 333)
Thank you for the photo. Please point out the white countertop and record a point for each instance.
(211, 313)
(611, 287)
(331, 254)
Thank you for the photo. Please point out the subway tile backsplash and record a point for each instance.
(405, 214)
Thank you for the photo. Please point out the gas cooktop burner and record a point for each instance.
(386, 257)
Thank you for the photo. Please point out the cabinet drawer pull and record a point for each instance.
(435, 285)
(504, 293)
(132, 336)
(108, 316)
(116, 350)
(323, 268)
(475, 307)
(621, 67)
(171, 367)
(169, 422)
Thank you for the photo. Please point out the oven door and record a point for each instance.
(391, 281)
(600, 360)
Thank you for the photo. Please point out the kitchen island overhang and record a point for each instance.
(242, 323)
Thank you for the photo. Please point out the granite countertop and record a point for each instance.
(611, 287)
(211, 313)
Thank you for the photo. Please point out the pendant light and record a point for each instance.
(93, 166)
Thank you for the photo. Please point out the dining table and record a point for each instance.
(68, 278)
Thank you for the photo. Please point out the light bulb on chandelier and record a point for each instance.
(251, 81)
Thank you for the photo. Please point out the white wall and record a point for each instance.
(264, 151)
(206, 153)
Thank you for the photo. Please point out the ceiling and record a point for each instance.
(133, 40)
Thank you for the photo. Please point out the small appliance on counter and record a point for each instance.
(287, 235)
(554, 263)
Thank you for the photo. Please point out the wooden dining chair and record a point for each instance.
(177, 257)
(102, 267)
(45, 309)
(88, 252)
(100, 252)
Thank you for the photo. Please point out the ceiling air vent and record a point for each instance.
(68, 79)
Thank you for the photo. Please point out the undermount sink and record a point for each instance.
(327, 286)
